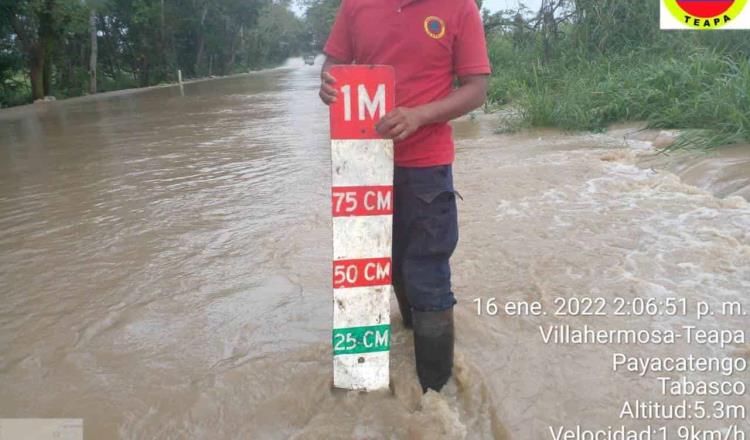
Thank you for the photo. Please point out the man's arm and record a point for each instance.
(402, 122)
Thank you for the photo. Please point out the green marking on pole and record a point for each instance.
(368, 339)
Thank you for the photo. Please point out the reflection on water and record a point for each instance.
(164, 268)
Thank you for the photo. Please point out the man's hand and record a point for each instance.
(327, 91)
(399, 123)
(403, 121)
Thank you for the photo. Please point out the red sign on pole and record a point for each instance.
(362, 200)
(365, 95)
(361, 272)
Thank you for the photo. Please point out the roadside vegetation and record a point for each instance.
(66, 48)
(584, 64)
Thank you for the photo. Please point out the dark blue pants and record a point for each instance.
(425, 233)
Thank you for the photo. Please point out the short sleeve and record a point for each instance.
(339, 44)
(470, 47)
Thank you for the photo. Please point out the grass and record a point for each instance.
(14, 90)
(702, 89)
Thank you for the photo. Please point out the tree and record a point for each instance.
(32, 23)
(319, 17)
(94, 51)
(73, 47)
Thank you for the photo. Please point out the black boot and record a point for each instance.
(433, 347)
(403, 305)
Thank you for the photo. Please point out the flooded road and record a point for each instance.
(165, 270)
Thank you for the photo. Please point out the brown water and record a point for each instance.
(164, 269)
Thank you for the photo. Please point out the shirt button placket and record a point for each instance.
(398, 19)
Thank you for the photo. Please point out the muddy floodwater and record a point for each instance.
(165, 271)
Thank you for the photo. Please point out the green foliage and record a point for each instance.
(603, 26)
(611, 63)
(140, 42)
(319, 17)
(14, 86)
(277, 35)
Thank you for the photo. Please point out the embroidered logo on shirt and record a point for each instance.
(434, 26)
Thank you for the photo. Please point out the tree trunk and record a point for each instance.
(94, 52)
(161, 23)
(199, 55)
(36, 69)
(232, 54)
(46, 44)
(201, 41)
(144, 71)
(242, 41)
(34, 45)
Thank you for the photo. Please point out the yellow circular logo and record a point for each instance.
(705, 14)
(434, 26)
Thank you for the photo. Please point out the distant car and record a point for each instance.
(310, 59)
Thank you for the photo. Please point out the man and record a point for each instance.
(428, 43)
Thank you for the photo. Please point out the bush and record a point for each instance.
(697, 82)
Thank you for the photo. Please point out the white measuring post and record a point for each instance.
(362, 199)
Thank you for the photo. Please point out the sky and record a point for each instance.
(496, 5)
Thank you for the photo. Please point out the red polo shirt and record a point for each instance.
(427, 42)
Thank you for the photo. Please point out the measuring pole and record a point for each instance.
(362, 198)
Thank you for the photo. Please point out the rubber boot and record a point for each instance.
(433, 347)
(403, 306)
